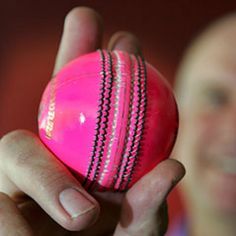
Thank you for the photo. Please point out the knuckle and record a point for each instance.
(49, 182)
(23, 156)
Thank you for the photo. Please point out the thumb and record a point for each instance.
(144, 209)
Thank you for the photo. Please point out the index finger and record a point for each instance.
(82, 34)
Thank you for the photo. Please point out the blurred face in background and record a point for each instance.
(206, 93)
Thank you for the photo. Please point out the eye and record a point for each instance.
(216, 97)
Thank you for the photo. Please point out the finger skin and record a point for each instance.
(12, 222)
(125, 41)
(36, 172)
(142, 208)
(83, 30)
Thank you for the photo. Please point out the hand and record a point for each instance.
(41, 197)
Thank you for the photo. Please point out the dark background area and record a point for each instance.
(164, 28)
(30, 35)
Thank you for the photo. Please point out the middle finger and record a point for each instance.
(125, 41)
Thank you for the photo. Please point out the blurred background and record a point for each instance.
(30, 36)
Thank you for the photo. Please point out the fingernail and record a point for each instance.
(129, 42)
(128, 45)
(75, 203)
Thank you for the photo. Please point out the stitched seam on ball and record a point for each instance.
(99, 118)
(117, 86)
(131, 152)
(128, 129)
(143, 107)
(105, 120)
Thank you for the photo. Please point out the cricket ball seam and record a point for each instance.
(137, 115)
(143, 106)
(105, 111)
(114, 132)
(98, 120)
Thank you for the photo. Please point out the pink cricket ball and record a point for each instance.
(110, 117)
